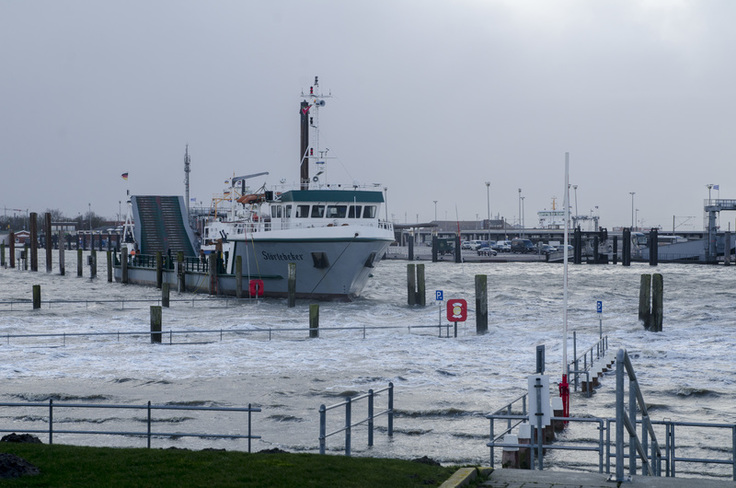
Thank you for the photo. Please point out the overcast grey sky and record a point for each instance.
(430, 98)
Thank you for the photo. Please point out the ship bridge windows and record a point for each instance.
(336, 211)
(287, 211)
(318, 211)
(369, 212)
(302, 211)
(354, 211)
(277, 211)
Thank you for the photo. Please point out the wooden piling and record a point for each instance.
(577, 250)
(727, 249)
(626, 247)
(644, 300)
(34, 241)
(25, 255)
(458, 255)
(11, 251)
(62, 266)
(657, 302)
(109, 266)
(481, 304)
(411, 247)
(36, 297)
(615, 249)
(212, 273)
(2, 254)
(93, 263)
(165, 295)
(239, 276)
(159, 269)
(156, 320)
(80, 264)
(49, 241)
(292, 285)
(411, 284)
(653, 247)
(314, 320)
(435, 248)
(124, 264)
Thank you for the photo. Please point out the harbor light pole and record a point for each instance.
(710, 187)
(632, 208)
(519, 207)
(435, 210)
(385, 190)
(488, 201)
(523, 223)
(575, 187)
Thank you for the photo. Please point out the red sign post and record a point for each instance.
(457, 311)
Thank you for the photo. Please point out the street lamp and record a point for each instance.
(575, 187)
(519, 207)
(710, 187)
(488, 201)
(632, 208)
(89, 205)
(522, 216)
(435, 210)
(385, 190)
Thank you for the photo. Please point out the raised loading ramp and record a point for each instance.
(161, 225)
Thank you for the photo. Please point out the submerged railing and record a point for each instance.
(148, 408)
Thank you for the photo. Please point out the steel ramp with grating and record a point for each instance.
(161, 225)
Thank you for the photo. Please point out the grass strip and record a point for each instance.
(78, 466)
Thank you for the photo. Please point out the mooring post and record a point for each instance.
(458, 255)
(239, 276)
(93, 263)
(727, 248)
(36, 297)
(181, 272)
(165, 295)
(124, 264)
(11, 251)
(411, 285)
(49, 241)
(292, 285)
(421, 298)
(109, 266)
(212, 272)
(596, 247)
(653, 247)
(159, 269)
(411, 247)
(657, 302)
(435, 248)
(481, 304)
(156, 319)
(314, 320)
(644, 300)
(62, 270)
(34, 241)
(80, 264)
(2, 254)
(626, 248)
(615, 249)
(26, 253)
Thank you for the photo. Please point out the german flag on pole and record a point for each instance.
(125, 176)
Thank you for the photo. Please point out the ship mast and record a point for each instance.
(310, 149)
(187, 170)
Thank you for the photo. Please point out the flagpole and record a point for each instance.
(564, 386)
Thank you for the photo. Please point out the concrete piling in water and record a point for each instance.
(525, 437)
(292, 285)
(49, 241)
(421, 298)
(34, 241)
(156, 319)
(239, 276)
(93, 263)
(36, 297)
(165, 295)
(653, 247)
(626, 247)
(510, 455)
(415, 289)
(481, 304)
(411, 247)
(80, 264)
(314, 320)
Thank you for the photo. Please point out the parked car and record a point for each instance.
(522, 246)
(502, 246)
(486, 250)
(546, 249)
(467, 245)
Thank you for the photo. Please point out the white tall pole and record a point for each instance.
(564, 259)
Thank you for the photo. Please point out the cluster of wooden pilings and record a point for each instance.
(651, 301)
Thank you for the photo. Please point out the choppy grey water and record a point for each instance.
(443, 386)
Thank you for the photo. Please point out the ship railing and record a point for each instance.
(349, 424)
(52, 428)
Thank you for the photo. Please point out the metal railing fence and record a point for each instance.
(148, 434)
(348, 426)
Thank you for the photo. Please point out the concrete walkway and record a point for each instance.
(522, 478)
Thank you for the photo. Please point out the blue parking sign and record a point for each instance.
(439, 295)
(599, 306)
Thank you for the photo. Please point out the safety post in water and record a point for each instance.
(481, 304)
(62, 270)
(292, 285)
(34, 242)
(156, 319)
(109, 266)
(93, 263)
(49, 242)
(36, 297)
(80, 264)
(314, 320)
(416, 291)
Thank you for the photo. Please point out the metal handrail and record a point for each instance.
(148, 407)
(349, 424)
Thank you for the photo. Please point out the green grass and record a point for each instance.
(74, 466)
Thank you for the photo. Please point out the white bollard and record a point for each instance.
(510, 456)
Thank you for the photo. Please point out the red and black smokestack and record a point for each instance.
(304, 146)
